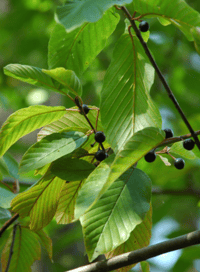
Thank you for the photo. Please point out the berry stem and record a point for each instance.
(164, 82)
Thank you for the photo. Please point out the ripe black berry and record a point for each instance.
(179, 163)
(85, 108)
(99, 137)
(151, 156)
(144, 26)
(188, 144)
(101, 155)
(168, 133)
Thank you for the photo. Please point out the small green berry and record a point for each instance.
(100, 155)
(151, 156)
(188, 144)
(144, 26)
(99, 137)
(179, 163)
(168, 133)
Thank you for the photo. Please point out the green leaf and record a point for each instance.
(25, 121)
(72, 119)
(66, 205)
(77, 49)
(67, 78)
(113, 167)
(139, 238)
(74, 14)
(12, 165)
(178, 12)
(126, 105)
(72, 169)
(40, 201)
(26, 250)
(5, 198)
(178, 149)
(5, 215)
(115, 215)
(34, 76)
(51, 148)
(46, 242)
(4, 171)
(196, 35)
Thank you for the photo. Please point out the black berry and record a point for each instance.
(151, 156)
(99, 137)
(179, 163)
(168, 133)
(144, 26)
(188, 144)
(85, 108)
(101, 155)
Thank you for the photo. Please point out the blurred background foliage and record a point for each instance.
(25, 30)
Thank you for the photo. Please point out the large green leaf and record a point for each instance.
(139, 238)
(77, 49)
(12, 165)
(67, 78)
(5, 198)
(175, 11)
(113, 167)
(40, 202)
(74, 14)
(25, 251)
(66, 205)
(25, 121)
(51, 148)
(115, 215)
(46, 242)
(126, 105)
(34, 76)
(72, 169)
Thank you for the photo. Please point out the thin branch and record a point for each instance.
(133, 257)
(8, 223)
(11, 248)
(184, 192)
(164, 82)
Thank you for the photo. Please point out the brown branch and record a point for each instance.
(8, 223)
(11, 248)
(164, 82)
(183, 192)
(133, 257)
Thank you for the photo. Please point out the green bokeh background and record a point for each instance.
(25, 27)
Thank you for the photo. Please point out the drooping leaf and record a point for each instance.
(72, 119)
(76, 50)
(67, 78)
(5, 198)
(34, 76)
(66, 205)
(25, 251)
(126, 105)
(115, 215)
(74, 14)
(139, 238)
(113, 167)
(51, 148)
(25, 121)
(40, 202)
(178, 12)
(72, 169)
(178, 149)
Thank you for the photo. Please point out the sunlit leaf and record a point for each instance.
(25, 121)
(67, 78)
(51, 148)
(115, 215)
(126, 105)
(77, 49)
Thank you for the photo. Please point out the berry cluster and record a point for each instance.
(178, 162)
